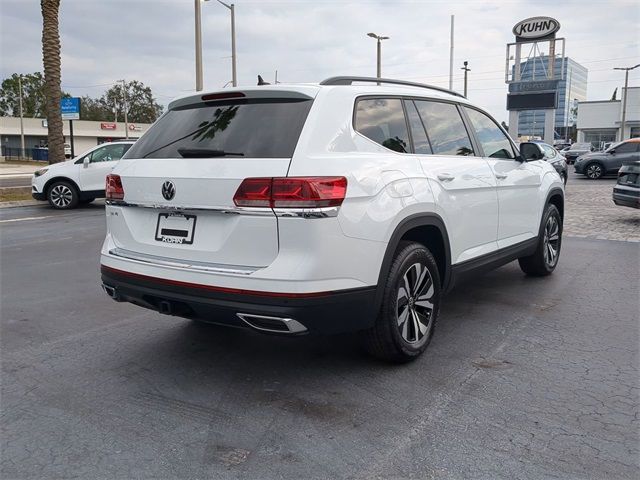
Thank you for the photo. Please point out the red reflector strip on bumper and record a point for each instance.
(211, 288)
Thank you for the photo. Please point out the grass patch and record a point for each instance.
(14, 197)
(26, 162)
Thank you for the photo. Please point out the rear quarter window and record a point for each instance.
(382, 121)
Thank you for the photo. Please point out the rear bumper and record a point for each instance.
(628, 198)
(319, 312)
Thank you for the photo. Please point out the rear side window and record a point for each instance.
(493, 140)
(445, 128)
(382, 120)
(255, 128)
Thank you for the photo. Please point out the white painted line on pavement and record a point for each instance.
(24, 218)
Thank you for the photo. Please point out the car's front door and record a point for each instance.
(100, 163)
(518, 183)
(623, 154)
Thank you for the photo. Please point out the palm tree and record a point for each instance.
(51, 61)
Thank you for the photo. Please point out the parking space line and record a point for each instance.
(24, 218)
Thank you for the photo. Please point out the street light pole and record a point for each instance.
(379, 52)
(125, 108)
(22, 153)
(198, 28)
(624, 100)
(466, 71)
(232, 8)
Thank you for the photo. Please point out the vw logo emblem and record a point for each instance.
(168, 190)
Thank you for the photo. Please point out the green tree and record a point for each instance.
(52, 66)
(94, 109)
(34, 102)
(141, 106)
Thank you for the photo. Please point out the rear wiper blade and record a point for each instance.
(205, 153)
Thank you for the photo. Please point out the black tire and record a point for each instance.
(391, 339)
(62, 195)
(594, 170)
(545, 259)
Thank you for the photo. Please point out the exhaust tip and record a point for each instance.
(111, 291)
(272, 324)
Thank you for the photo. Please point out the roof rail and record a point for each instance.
(350, 80)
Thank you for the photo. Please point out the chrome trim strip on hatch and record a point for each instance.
(320, 212)
(175, 263)
(223, 210)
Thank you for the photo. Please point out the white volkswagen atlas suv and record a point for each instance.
(350, 205)
(79, 180)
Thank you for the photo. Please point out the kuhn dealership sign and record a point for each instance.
(536, 27)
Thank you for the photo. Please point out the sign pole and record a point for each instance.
(73, 153)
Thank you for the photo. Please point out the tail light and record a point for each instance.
(113, 188)
(291, 192)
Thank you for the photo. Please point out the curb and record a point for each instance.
(20, 203)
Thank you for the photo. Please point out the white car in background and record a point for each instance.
(65, 185)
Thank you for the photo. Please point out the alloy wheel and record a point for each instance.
(594, 171)
(61, 196)
(551, 241)
(414, 308)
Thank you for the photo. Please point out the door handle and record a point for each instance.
(501, 176)
(445, 177)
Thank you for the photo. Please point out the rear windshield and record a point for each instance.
(256, 128)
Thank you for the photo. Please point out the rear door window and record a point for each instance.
(382, 120)
(254, 128)
(445, 128)
(420, 140)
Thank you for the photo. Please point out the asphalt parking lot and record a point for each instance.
(525, 378)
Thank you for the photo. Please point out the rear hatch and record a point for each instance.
(180, 178)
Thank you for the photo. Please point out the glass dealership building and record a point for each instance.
(571, 90)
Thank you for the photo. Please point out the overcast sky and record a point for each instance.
(307, 41)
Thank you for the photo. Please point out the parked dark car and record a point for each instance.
(555, 158)
(597, 164)
(561, 146)
(576, 150)
(626, 193)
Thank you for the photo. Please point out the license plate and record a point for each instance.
(175, 228)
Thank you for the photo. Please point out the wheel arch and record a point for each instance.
(425, 228)
(51, 181)
(556, 197)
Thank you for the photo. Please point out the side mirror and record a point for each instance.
(530, 151)
(85, 162)
(612, 151)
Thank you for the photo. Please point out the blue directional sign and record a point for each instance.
(70, 108)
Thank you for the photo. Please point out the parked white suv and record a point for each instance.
(325, 208)
(79, 180)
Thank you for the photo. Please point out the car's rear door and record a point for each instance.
(179, 179)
